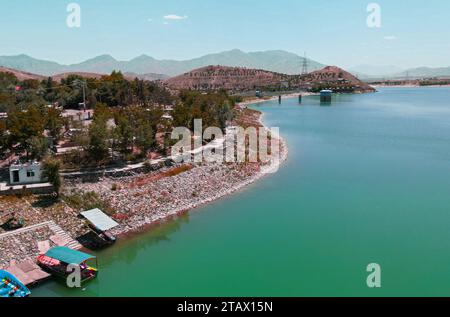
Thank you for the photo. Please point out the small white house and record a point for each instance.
(28, 173)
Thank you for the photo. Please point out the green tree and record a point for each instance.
(23, 125)
(224, 113)
(55, 123)
(7, 80)
(144, 136)
(4, 137)
(70, 92)
(51, 172)
(98, 146)
(99, 134)
(102, 113)
(124, 134)
(182, 115)
(7, 102)
(38, 147)
(215, 109)
(153, 115)
(49, 90)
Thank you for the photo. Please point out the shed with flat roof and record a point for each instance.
(99, 219)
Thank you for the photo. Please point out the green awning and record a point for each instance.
(68, 256)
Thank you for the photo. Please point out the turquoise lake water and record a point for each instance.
(367, 181)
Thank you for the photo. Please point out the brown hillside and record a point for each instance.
(222, 77)
(24, 75)
(242, 79)
(20, 75)
(128, 76)
(334, 77)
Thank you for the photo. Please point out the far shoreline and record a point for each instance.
(410, 86)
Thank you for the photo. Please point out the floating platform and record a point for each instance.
(28, 272)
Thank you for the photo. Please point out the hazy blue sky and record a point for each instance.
(413, 32)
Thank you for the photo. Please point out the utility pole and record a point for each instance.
(83, 86)
(305, 65)
(84, 96)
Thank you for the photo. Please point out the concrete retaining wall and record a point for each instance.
(25, 190)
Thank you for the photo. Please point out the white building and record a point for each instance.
(28, 173)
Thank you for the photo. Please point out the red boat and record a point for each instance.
(57, 260)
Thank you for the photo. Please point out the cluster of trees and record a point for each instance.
(29, 116)
(123, 131)
(15, 94)
(127, 117)
(134, 130)
(434, 82)
(23, 130)
(127, 131)
(113, 90)
(215, 109)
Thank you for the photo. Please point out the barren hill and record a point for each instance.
(242, 79)
(223, 77)
(332, 77)
(20, 74)
(25, 76)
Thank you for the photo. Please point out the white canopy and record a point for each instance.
(99, 219)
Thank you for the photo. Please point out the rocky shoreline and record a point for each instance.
(143, 200)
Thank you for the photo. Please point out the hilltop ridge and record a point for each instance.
(241, 79)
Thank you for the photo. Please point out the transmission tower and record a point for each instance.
(305, 65)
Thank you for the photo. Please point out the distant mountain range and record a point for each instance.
(369, 71)
(149, 68)
(392, 72)
(427, 72)
(276, 61)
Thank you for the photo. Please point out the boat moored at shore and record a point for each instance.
(57, 261)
